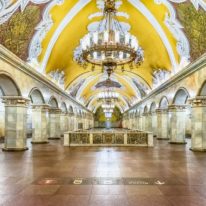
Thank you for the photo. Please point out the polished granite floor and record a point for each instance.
(43, 175)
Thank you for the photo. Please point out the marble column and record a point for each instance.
(146, 122)
(15, 123)
(149, 124)
(154, 123)
(137, 122)
(177, 115)
(143, 121)
(140, 123)
(74, 123)
(162, 124)
(54, 123)
(198, 124)
(63, 122)
(70, 122)
(2, 119)
(40, 122)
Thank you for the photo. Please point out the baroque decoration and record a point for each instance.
(110, 45)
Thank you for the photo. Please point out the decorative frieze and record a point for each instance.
(198, 101)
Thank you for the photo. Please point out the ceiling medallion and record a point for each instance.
(110, 46)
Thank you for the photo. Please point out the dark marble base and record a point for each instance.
(178, 142)
(14, 149)
(197, 150)
(45, 142)
(54, 138)
(159, 138)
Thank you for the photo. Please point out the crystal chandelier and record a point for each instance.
(108, 110)
(108, 95)
(108, 106)
(109, 46)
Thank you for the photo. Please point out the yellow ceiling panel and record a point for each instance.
(155, 52)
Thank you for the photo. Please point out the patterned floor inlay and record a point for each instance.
(99, 181)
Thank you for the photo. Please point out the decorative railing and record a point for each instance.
(108, 138)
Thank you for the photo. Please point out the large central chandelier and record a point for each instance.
(110, 45)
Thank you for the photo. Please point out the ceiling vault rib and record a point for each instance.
(150, 17)
(70, 15)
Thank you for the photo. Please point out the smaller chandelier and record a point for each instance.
(108, 106)
(108, 110)
(110, 45)
(108, 95)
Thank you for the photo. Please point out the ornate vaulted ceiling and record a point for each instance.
(46, 32)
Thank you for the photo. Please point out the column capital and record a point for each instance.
(55, 110)
(161, 110)
(40, 106)
(198, 101)
(15, 100)
(178, 108)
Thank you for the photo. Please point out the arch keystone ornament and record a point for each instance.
(15, 123)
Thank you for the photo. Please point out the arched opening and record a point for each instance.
(145, 109)
(153, 107)
(63, 107)
(101, 121)
(202, 91)
(153, 123)
(36, 96)
(53, 102)
(71, 111)
(181, 97)
(163, 103)
(8, 87)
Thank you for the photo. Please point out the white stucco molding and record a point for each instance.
(42, 28)
(175, 27)
(153, 21)
(8, 8)
(67, 19)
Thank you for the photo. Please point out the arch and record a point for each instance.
(163, 103)
(181, 96)
(53, 102)
(153, 107)
(202, 91)
(71, 109)
(8, 86)
(141, 110)
(63, 107)
(136, 113)
(145, 109)
(36, 96)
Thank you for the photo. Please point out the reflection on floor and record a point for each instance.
(53, 175)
